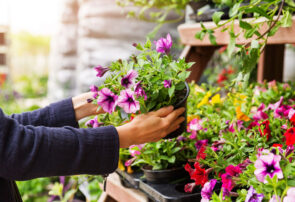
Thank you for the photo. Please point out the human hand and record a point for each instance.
(150, 127)
(83, 108)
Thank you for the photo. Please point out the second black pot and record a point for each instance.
(164, 176)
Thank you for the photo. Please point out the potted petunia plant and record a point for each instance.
(145, 82)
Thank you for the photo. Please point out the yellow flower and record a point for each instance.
(129, 170)
(205, 99)
(191, 117)
(241, 115)
(215, 99)
(239, 99)
(121, 166)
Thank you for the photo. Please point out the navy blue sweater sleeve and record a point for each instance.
(55, 115)
(28, 152)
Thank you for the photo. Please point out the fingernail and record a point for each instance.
(170, 107)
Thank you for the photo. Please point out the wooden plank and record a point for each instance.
(187, 34)
(271, 63)
(116, 190)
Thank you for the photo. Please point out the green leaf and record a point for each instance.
(172, 159)
(249, 33)
(217, 16)
(290, 2)
(171, 91)
(212, 39)
(258, 10)
(287, 19)
(245, 25)
(234, 10)
(148, 44)
(291, 183)
(274, 29)
(200, 35)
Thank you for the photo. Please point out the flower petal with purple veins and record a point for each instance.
(291, 113)
(207, 189)
(167, 83)
(127, 101)
(268, 165)
(101, 70)
(252, 196)
(276, 105)
(290, 195)
(163, 45)
(107, 100)
(129, 80)
(139, 91)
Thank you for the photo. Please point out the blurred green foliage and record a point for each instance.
(26, 43)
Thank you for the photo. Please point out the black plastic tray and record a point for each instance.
(172, 192)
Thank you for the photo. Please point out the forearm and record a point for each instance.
(28, 152)
(83, 108)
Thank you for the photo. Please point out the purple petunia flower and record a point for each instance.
(290, 195)
(107, 100)
(181, 138)
(207, 190)
(268, 165)
(252, 196)
(101, 70)
(127, 101)
(138, 90)
(240, 124)
(282, 111)
(129, 80)
(93, 123)
(289, 150)
(167, 83)
(163, 45)
(94, 89)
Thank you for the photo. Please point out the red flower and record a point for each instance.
(233, 170)
(293, 120)
(266, 130)
(222, 49)
(188, 188)
(199, 175)
(201, 154)
(277, 145)
(188, 168)
(290, 136)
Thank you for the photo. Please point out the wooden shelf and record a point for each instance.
(187, 34)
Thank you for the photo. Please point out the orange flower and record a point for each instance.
(241, 115)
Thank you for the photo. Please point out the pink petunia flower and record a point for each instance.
(107, 100)
(207, 190)
(167, 83)
(163, 45)
(268, 165)
(129, 80)
(127, 101)
(101, 70)
(252, 196)
(290, 195)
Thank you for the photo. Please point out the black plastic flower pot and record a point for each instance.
(164, 176)
(181, 103)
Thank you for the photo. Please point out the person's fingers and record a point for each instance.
(164, 111)
(173, 128)
(173, 116)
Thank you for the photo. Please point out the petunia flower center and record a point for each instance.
(270, 168)
(126, 81)
(130, 99)
(110, 99)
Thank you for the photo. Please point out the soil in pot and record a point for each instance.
(181, 102)
(164, 176)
